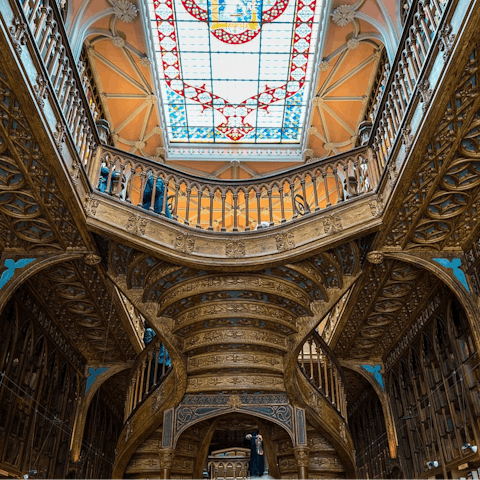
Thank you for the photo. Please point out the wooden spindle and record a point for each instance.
(235, 211)
(282, 204)
(199, 207)
(224, 196)
(210, 225)
(247, 212)
(270, 206)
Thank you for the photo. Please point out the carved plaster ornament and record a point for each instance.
(75, 173)
(118, 41)
(18, 34)
(285, 241)
(324, 66)
(235, 249)
(407, 137)
(145, 62)
(59, 135)
(234, 401)
(136, 224)
(185, 243)
(124, 10)
(92, 258)
(447, 40)
(375, 257)
(41, 90)
(332, 224)
(426, 94)
(343, 15)
(377, 206)
(91, 205)
(353, 43)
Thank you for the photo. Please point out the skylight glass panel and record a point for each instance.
(235, 70)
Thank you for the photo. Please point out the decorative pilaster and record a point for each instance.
(301, 457)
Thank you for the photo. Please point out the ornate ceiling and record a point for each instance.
(113, 33)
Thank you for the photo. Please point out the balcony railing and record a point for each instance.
(324, 372)
(416, 45)
(233, 205)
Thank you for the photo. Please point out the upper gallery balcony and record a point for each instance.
(276, 213)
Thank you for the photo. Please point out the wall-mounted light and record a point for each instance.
(472, 448)
(432, 464)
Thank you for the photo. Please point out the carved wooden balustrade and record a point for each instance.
(46, 25)
(234, 205)
(146, 375)
(418, 41)
(322, 369)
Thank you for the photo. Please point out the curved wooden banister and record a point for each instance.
(146, 375)
(319, 365)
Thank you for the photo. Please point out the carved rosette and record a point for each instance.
(125, 11)
(343, 15)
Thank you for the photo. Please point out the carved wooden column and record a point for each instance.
(301, 457)
(165, 456)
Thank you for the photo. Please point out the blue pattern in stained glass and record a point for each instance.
(176, 109)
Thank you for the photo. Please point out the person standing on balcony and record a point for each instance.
(159, 196)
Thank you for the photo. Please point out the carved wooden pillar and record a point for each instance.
(301, 457)
(166, 459)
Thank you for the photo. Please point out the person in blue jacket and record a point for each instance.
(163, 357)
(159, 196)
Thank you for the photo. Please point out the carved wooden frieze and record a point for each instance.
(235, 336)
(235, 360)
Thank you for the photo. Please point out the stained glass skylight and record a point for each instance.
(235, 70)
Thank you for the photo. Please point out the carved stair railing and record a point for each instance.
(323, 371)
(320, 387)
(46, 25)
(231, 205)
(417, 45)
(146, 375)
